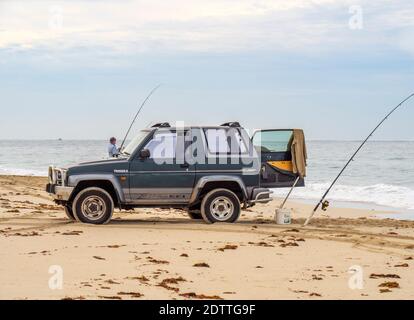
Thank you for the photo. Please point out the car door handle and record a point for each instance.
(184, 165)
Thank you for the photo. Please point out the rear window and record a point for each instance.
(273, 141)
(225, 141)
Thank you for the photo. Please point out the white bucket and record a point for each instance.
(283, 216)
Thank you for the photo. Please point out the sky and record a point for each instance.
(80, 69)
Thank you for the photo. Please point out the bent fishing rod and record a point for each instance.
(324, 203)
(136, 116)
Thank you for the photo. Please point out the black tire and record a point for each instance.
(69, 212)
(195, 214)
(93, 206)
(220, 205)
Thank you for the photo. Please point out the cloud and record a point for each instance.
(128, 27)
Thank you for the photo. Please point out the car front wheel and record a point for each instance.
(94, 206)
(69, 212)
(220, 205)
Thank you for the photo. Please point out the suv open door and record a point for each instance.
(283, 157)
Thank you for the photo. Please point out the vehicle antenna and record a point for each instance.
(324, 203)
(136, 116)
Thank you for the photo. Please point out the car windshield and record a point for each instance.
(130, 148)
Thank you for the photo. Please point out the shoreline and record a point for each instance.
(162, 254)
(383, 212)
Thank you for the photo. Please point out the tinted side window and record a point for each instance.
(273, 140)
(225, 141)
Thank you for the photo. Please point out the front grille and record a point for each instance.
(57, 176)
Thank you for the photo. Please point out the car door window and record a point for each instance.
(163, 145)
(273, 140)
(225, 141)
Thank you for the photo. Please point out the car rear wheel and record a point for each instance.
(94, 206)
(220, 205)
(69, 212)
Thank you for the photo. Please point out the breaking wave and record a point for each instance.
(380, 194)
(22, 172)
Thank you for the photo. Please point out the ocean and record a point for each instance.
(382, 175)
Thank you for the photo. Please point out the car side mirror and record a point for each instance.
(144, 154)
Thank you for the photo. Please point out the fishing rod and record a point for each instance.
(324, 203)
(136, 116)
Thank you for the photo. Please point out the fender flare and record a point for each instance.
(219, 178)
(73, 181)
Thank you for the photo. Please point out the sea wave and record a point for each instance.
(379, 194)
(22, 172)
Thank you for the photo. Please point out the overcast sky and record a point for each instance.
(79, 69)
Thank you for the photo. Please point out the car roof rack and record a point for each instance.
(161, 125)
(234, 124)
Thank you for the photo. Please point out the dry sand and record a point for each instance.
(162, 254)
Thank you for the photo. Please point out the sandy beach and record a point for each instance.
(162, 254)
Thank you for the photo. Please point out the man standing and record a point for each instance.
(112, 148)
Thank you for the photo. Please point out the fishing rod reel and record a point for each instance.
(325, 205)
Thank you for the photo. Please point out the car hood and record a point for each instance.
(100, 166)
(101, 162)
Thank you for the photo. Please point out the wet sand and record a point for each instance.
(162, 254)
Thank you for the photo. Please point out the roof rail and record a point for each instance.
(234, 124)
(161, 125)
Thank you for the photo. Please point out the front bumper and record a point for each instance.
(58, 192)
(57, 186)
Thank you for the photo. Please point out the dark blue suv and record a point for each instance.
(212, 172)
